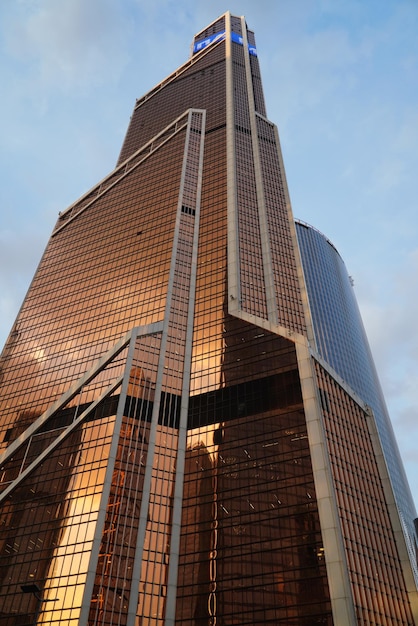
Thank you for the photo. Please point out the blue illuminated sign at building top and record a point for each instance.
(204, 43)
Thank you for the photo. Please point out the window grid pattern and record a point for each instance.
(251, 544)
(57, 423)
(136, 159)
(104, 273)
(48, 526)
(216, 27)
(373, 564)
(289, 302)
(201, 85)
(252, 284)
(114, 568)
(236, 25)
(259, 103)
(210, 305)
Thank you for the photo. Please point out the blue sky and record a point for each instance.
(341, 82)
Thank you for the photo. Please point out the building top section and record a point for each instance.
(205, 40)
(217, 32)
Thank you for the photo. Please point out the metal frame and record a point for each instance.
(27, 435)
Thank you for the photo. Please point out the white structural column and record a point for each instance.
(170, 611)
(234, 290)
(335, 558)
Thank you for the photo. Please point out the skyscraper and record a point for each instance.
(174, 450)
(341, 340)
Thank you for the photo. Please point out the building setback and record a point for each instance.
(173, 448)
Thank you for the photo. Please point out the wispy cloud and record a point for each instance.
(70, 45)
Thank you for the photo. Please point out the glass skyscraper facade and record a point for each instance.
(173, 450)
(341, 340)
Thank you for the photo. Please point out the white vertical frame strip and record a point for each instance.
(269, 285)
(234, 288)
(182, 442)
(143, 516)
(335, 558)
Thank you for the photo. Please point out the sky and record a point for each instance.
(340, 80)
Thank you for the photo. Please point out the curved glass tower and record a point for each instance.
(341, 340)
